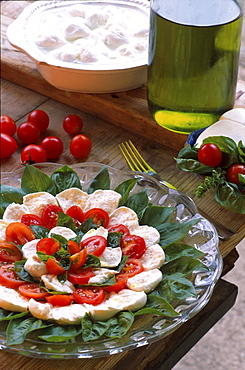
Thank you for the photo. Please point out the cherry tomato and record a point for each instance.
(9, 278)
(54, 267)
(122, 229)
(133, 246)
(76, 213)
(8, 145)
(210, 155)
(19, 233)
(33, 153)
(50, 215)
(80, 146)
(73, 124)
(99, 216)
(40, 118)
(7, 125)
(53, 146)
(60, 299)
(94, 245)
(131, 268)
(121, 282)
(28, 133)
(48, 246)
(78, 259)
(233, 172)
(80, 276)
(90, 295)
(30, 219)
(73, 247)
(9, 252)
(32, 290)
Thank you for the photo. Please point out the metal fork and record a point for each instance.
(136, 162)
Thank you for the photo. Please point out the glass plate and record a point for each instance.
(146, 328)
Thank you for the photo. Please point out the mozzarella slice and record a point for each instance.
(66, 315)
(153, 257)
(93, 232)
(111, 257)
(11, 300)
(35, 267)
(108, 200)
(3, 226)
(14, 212)
(29, 249)
(126, 216)
(39, 310)
(36, 202)
(72, 197)
(51, 282)
(101, 275)
(63, 231)
(145, 281)
(236, 114)
(149, 233)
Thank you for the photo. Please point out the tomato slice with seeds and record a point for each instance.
(30, 219)
(90, 295)
(80, 276)
(132, 267)
(32, 290)
(60, 299)
(73, 247)
(98, 215)
(119, 228)
(50, 215)
(9, 278)
(94, 245)
(9, 252)
(19, 233)
(76, 213)
(54, 267)
(133, 246)
(48, 246)
(121, 283)
(78, 260)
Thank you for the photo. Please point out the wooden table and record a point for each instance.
(24, 90)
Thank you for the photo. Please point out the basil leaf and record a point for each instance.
(91, 261)
(138, 202)
(184, 265)
(40, 232)
(120, 324)
(101, 181)
(34, 180)
(61, 239)
(86, 226)
(188, 152)
(65, 178)
(59, 333)
(155, 215)
(241, 178)
(230, 197)
(176, 250)
(22, 273)
(191, 165)
(8, 315)
(113, 239)
(93, 330)
(10, 194)
(173, 232)
(241, 151)
(43, 256)
(124, 189)
(175, 287)
(66, 221)
(157, 305)
(121, 264)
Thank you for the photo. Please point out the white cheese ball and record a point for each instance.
(49, 41)
(145, 281)
(14, 212)
(36, 202)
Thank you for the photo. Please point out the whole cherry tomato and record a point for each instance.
(73, 124)
(53, 146)
(80, 146)
(210, 155)
(8, 145)
(7, 125)
(28, 133)
(40, 118)
(233, 171)
(33, 153)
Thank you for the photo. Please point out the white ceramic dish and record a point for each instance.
(87, 78)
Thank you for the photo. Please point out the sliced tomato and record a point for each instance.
(9, 252)
(60, 299)
(54, 267)
(30, 219)
(132, 267)
(80, 276)
(48, 246)
(119, 228)
(50, 215)
(133, 246)
(94, 245)
(98, 215)
(9, 278)
(32, 290)
(73, 247)
(78, 260)
(76, 213)
(121, 282)
(19, 233)
(90, 295)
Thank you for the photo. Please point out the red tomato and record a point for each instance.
(210, 155)
(33, 153)
(80, 146)
(50, 215)
(32, 290)
(233, 172)
(60, 299)
(94, 245)
(28, 133)
(78, 259)
(54, 267)
(8, 145)
(133, 246)
(99, 216)
(90, 295)
(19, 233)
(7, 125)
(76, 213)
(122, 229)
(73, 247)
(48, 246)
(9, 278)
(81, 276)
(30, 219)
(73, 124)
(40, 118)
(121, 282)
(131, 268)
(53, 146)
(9, 252)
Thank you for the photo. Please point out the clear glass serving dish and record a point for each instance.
(146, 328)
